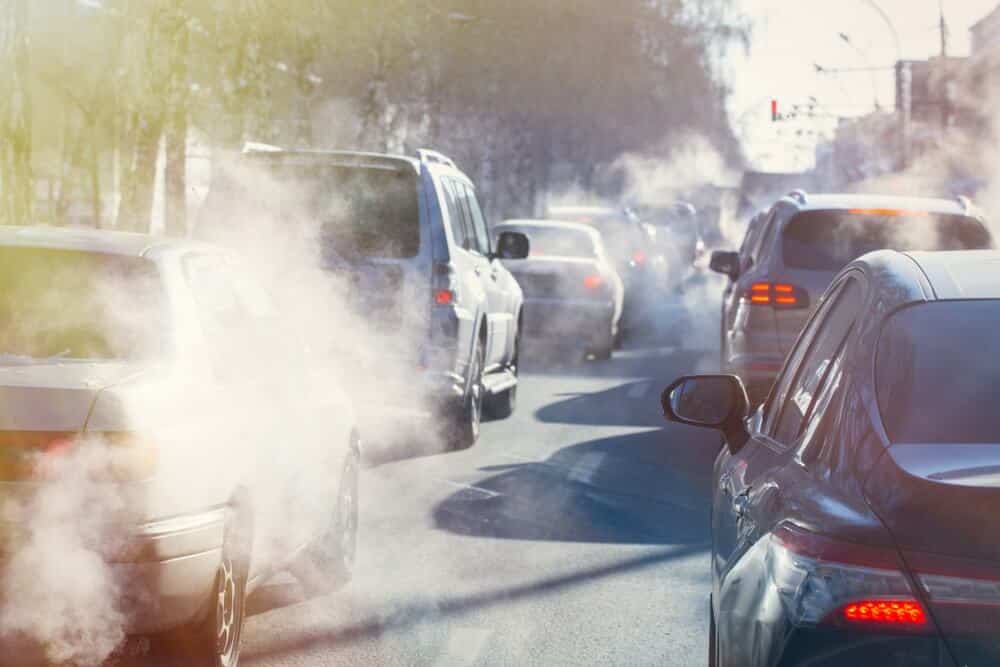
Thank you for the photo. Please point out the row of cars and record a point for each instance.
(854, 508)
(156, 383)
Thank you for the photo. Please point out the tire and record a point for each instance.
(502, 405)
(328, 565)
(214, 640)
(463, 426)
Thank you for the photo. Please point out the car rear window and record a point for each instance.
(70, 304)
(938, 372)
(362, 211)
(551, 242)
(828, 240)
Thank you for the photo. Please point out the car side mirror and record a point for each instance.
(512, 245)
(710, 401)
(725, 262)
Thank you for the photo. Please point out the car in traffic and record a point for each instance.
(854, 516)
(789, 256)
(411, 235)
(135, 383)
(637, 258)
(572, 292)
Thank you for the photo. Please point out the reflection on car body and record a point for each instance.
(855, 514)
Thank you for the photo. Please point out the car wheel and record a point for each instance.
(463, 429)
(502, 405)
(605, 349)
(216, 637)
(329, 564)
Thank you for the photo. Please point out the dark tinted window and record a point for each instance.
(362, 211)
(816, 364)
(938, 372)
(78, 305)
(828, 240)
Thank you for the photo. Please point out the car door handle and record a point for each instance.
(741, 503)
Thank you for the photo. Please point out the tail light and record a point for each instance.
(964, 595)
(444, 284)
(593, 282)
(822, 581)
(638, 257)
(776, 295)
(41, 456)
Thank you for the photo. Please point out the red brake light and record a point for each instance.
(593, 281)
(639, 257)
(889, 212)
(876, 612)
(444, 297)
(779, 295)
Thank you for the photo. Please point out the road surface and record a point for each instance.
(573, 533)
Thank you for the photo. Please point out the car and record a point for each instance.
(636, 257)
(854, 518)
(790, 255)
(572, 293)
(410, 233)
(136, 382)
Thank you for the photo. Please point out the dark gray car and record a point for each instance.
(792, 252)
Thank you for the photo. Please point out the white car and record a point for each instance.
(149, 391)
(573, 296)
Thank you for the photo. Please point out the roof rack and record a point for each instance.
(427, 155)
(257, 147)
(798, 195)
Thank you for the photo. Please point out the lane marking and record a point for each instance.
(587, 467)
(465, 646)
(638, 390)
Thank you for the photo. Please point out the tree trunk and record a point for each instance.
(17, 191)
(139, 179)
(176, 130)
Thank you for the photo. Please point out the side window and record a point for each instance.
(461, 227)
(774, 221)
(831, 332)
(478, 221)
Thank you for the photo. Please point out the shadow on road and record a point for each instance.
(651, 487)
(416, 612)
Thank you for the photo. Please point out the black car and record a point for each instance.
(855, 514)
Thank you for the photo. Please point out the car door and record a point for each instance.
(468, 262)
(478, 247)
(498, 284)
(748, 498)
(747, 255)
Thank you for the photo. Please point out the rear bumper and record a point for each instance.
(568, 320)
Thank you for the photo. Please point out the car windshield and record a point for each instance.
(555, 242)
(938, 373)
(829, 240)
(68, 304)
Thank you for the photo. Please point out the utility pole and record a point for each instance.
(944, 30)
(948, 89)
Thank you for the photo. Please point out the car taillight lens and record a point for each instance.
(119, 456)
(638, 257)
(822, 581)
(777, 295)
(445, 284)
(593, 282)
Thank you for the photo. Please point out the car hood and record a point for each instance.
(55, 396)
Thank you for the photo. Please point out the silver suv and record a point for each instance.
(410, 234)
(791, 253)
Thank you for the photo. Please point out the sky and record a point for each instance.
(791, 37)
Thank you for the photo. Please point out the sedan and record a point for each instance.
(155, 431)
(572, 293)
(855, 513)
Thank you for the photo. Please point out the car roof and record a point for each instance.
(847, 201)
(554, 224)
(961, 274)
(85, 239)
(331, 157)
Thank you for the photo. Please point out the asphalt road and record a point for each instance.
(573, 533)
